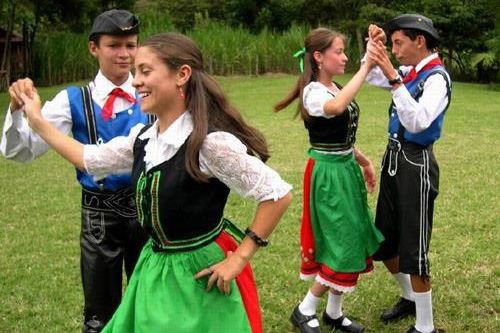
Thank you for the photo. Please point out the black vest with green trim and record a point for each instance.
(174, 209)
(334, 134)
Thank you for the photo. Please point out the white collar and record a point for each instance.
(425, 61)
(175, 135)
(103, 86)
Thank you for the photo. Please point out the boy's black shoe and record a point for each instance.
(402, 309)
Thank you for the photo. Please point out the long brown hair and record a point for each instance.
(319, 40)
(205, 100)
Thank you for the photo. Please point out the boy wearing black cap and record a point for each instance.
(107, 107)
(421, 92)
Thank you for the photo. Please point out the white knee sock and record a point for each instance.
(334, 307)
(308, 307)
(405, 285)
(423, 303)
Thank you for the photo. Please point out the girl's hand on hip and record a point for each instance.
(223, 272)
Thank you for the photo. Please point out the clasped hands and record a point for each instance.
(376, 50)
(23, 93)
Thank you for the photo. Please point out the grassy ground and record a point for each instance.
(39, 220)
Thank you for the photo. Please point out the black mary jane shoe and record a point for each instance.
(336, 324)
(402, 309)
(412, 329)
(300, 321)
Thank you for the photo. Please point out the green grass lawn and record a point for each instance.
(39, 220)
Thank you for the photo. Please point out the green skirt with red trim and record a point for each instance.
(163, 296)
(338, 236)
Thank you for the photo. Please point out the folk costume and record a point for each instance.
(110, 235)
(338, 237)
(410, 174)
(111, 238)
(184, 219)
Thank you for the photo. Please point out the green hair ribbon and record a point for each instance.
(300, 54)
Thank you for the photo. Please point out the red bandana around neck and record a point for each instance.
(413, 73)
(107, 109)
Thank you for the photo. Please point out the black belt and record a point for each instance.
(121, 201)
(333, 147)
(190, 246)
(396, 145)
(197, 242)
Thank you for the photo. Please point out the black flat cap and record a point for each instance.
(115, 22)
(412, 21)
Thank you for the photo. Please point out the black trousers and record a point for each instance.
(111, 239)
(409, 184)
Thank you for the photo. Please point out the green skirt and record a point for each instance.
(337, 226)
(163, 296)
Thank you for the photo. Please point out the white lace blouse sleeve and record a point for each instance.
(225, 157)
(113, 157)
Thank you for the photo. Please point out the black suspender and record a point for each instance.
(88, 110)
(151, 118)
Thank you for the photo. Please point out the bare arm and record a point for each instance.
(266, 218)
(338, 104)
(368, 170)
(378, 54)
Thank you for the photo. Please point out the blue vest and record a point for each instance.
(415, 87)
(106, 130)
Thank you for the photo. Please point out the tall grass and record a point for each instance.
(64, 57)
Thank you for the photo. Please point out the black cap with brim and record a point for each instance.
(412, 21)
(115, 22)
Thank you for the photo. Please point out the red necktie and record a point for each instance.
(107, 109)
(410, 76)
(413, 73)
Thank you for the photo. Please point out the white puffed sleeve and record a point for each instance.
(225, 157)
(113, 157)
(314, 98)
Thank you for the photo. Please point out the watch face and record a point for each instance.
(397, 79)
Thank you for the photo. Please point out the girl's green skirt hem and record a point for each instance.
(163, 296)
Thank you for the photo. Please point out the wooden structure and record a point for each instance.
(15, 66)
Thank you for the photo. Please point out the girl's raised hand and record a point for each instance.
(376, 34)
(32, 107)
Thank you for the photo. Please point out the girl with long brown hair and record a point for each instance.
(183, 168)
(337, 234)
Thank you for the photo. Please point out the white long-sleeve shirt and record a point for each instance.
(222, 156)
(22, 144)
(415, 116)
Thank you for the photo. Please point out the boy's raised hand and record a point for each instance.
(376, 34)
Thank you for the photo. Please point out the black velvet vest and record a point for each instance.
(334, 134)
(173, 208)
